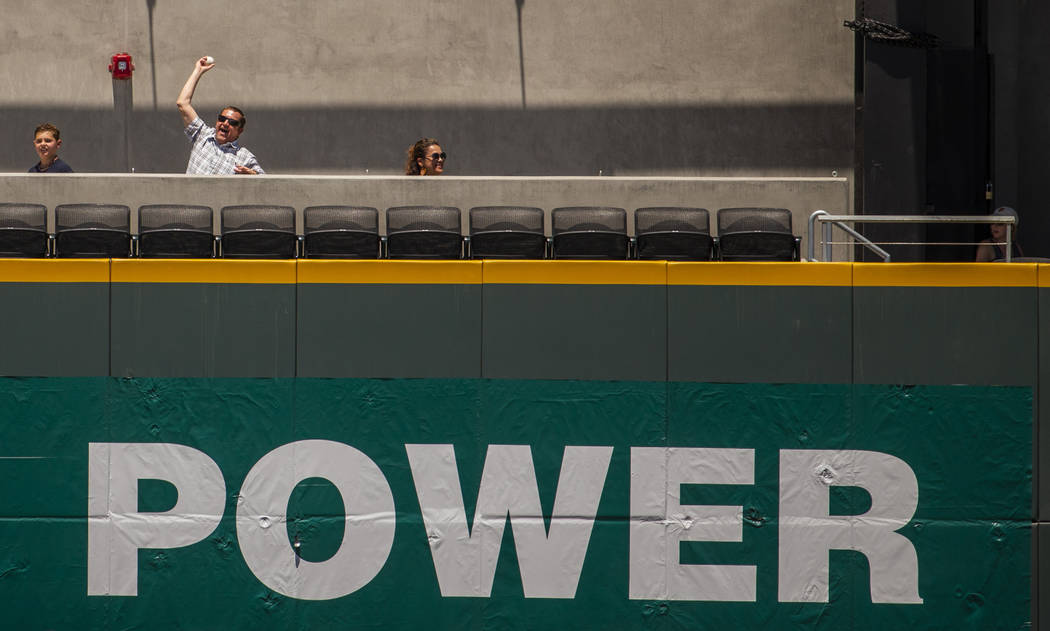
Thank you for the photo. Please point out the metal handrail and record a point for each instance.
(866, 242)
(828, 220)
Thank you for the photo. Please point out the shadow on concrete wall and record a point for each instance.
(779, 139)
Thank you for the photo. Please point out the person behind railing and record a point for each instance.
(990, 249)
(46, 140)
(425, 157)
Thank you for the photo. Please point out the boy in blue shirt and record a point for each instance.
(46, 140)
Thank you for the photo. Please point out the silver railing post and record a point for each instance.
(1009, 242)
(828, 255)
(810, 234)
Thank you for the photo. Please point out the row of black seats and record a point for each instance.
(428, 232)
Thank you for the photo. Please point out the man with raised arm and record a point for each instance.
(215, 149)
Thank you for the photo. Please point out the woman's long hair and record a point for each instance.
(415, 152)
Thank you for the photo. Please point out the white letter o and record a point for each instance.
(368, 506)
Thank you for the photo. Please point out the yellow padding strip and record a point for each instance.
(54, 270)
(226, 271)
(944, 274)
(391, 272)
(743, 274)
(524, 272)
(576, 272)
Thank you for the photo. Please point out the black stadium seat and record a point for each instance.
(341, 232)
(23, 230)
(756, 234)
(589, 232)
(673, 233)
(258, 231)
(175, 231)
(92, 231)
(424, 232)
(507, 232)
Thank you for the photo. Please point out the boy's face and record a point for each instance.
(46, 146)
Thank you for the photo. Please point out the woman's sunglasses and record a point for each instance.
(438, 156)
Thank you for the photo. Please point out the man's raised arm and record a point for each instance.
(184, 103)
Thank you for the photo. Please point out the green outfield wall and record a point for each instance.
(518, 445)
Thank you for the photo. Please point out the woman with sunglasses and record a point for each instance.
(425, 158)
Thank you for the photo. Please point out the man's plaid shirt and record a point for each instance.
(208, 157)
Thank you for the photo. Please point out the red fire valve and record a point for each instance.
(121, 66)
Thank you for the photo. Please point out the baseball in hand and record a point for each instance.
(209, 59)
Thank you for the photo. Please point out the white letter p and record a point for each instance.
(116, 528)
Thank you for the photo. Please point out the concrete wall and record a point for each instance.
(676, 87)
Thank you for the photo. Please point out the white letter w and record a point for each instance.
(465, 561)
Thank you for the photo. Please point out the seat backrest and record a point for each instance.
(671, 219)
(100, 216)
(497, 218)
(154, 217)
(360, 218)
(257, 217)
(24, 216)
(410, 218)
(588, 218)
(776, 220)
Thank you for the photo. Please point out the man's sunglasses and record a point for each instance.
(438, 156)
(236, 122)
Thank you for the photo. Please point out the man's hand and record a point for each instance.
(185, 100)
(243, 170)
